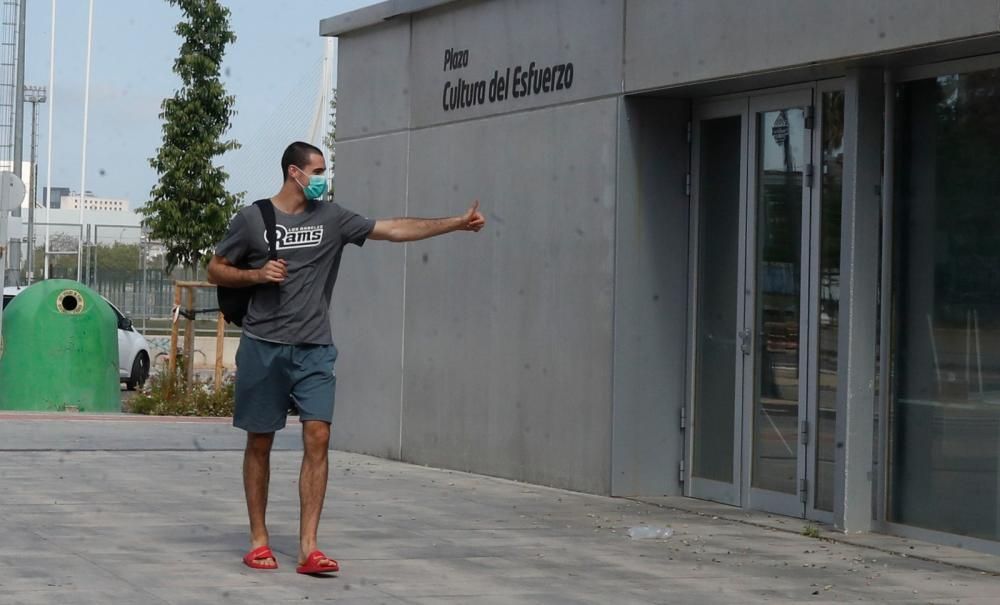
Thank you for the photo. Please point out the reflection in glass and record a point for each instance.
(781, 159)
(718, 263)
(832, 181)
(945, 414)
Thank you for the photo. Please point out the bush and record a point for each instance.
(167, 395)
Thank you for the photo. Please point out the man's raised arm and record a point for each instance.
(414, 229)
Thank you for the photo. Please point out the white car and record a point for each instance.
(133, 350)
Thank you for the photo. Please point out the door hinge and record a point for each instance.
(804, 429)
(681, 471)
(687, 184)
(689, 135)
(804, 490)
(684, 417)
(746, 341)
(810, 117)
(810, 171)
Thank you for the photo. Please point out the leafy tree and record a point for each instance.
(106, 259)
(189, 208)
(118, 258)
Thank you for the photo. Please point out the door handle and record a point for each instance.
(746, 341)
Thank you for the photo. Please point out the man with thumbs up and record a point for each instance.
(286, 355)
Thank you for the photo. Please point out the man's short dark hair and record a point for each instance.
(297, 154)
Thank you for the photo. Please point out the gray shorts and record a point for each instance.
(272, 379)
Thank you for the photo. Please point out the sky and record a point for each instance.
(273, 69)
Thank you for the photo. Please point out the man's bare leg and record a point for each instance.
(312, 484)
(256, 478)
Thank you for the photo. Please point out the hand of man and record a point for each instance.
(473, 220)
(274, 272)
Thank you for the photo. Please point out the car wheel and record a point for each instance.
(140, 372)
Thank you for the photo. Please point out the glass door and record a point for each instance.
(765, 303)
(824, 321)
(776, 389)
(718, 216)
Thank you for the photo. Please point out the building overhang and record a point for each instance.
(368, 16)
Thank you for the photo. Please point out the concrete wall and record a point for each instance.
(204, 351)
(501, 363)
(501, 35)
(373, 81)
(651, 297)
(682, 41)
(367, 312)
(509, 334)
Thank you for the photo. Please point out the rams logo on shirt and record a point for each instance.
(298, 237)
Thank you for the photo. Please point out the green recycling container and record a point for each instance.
(59, 350)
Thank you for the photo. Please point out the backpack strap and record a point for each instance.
(266, 208)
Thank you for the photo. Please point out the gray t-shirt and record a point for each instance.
(297, 311)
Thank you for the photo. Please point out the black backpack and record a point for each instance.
(234, 302)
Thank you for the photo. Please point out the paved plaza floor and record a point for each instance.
(149, 511)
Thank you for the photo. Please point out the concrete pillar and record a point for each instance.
(860, 235)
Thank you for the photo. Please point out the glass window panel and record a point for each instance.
(945, 413)
(832, 183)
(718, 266)
(780, 169)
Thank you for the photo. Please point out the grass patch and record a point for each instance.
(811, 531)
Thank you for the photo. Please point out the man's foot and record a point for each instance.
(260, 558)
(316, 562)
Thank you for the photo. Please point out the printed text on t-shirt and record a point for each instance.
(298, 237)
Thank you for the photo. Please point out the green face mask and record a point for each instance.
(316, 187)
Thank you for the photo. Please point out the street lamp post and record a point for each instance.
(143, 251)
(33, 95)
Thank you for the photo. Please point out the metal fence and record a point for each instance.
(64, 245)
(121, 264)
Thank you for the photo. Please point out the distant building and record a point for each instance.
(57, 194)
(72, 202)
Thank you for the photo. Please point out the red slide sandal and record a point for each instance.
(255, 558)
(314, 565)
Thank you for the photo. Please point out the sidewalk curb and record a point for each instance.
(104, 417)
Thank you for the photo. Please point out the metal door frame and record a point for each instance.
(740, 493)
(699, 487)
(813, 276)
(757, 498)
